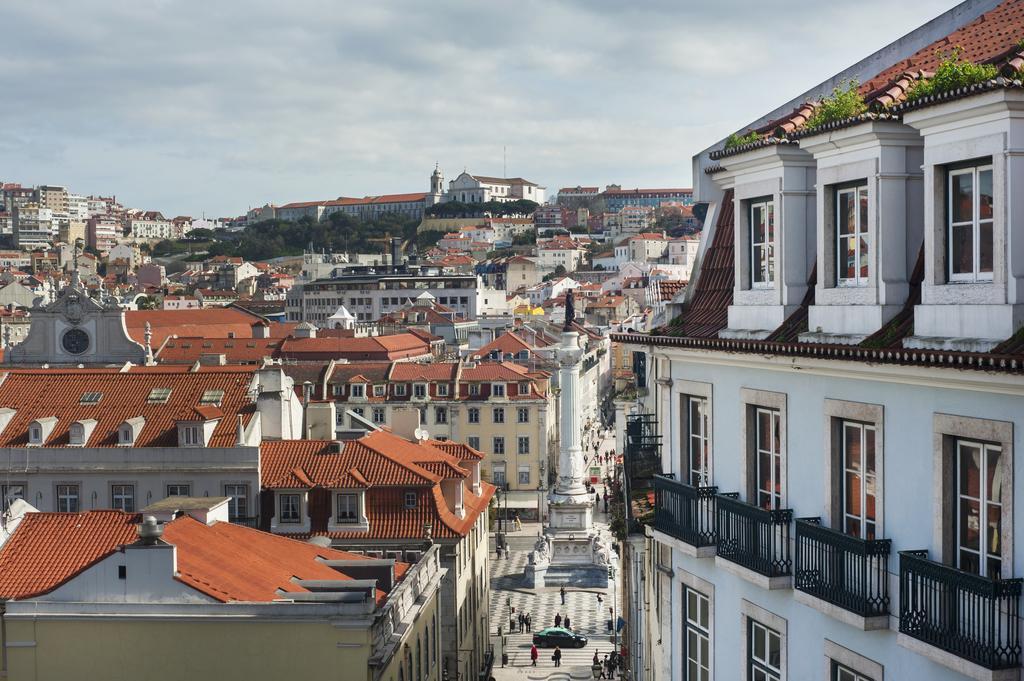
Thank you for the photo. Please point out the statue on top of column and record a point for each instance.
(570, 310)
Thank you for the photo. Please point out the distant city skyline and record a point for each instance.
(189, 108)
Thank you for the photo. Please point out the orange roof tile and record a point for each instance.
(41, 393)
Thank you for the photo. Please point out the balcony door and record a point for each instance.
(859, 479)
(769, 458)
(698, 451)
(979, 510)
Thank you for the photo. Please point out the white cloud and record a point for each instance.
(189, 106)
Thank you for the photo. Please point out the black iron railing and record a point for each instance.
(753, 537)
(248, 522)
(965, 614)
(847, 571)
(685, 512)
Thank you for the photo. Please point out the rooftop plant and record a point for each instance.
(953, 72)
(735, 140)
(844, 102)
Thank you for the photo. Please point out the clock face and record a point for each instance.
(75, 341)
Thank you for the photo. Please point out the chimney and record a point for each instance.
(149, 531)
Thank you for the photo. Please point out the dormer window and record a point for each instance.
(378, 390)
(79, 432)
(410, 499)
(474, 389)
(128, 432)
(400, 390)
(190, 436)
(969, 217)
(40, 429)
(442, 390)
(497, 390)
(524, 388)
(852, 236)
(358, 390)
(762, 243)
(419, 390)
(348, 508)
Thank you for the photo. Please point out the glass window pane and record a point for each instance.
(852, 496)
(970, 470)
(759, 643)
(764, 429)
(846, 223)
(847, 258)
(985, 247)
(758, 265)
(774, 650)
(862, 199)
(771, 221)
(851, 441)
(970, 524)
(994, 531)
(705, 615)
(863, 258)
(961, 249)
(994, 477)
(962, 195)
(757, 224)
(985, 195)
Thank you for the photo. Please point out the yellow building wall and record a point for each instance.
(202, 648)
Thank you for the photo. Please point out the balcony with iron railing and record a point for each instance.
(686, 513)
(247, 522)
(846, 577)
(961, 616)
(755, 540)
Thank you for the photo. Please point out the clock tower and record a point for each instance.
(77, 329)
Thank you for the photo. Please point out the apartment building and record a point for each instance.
(560, 252)
(838, 411)
(370, 207)
(82, 439)
(53, 197)
(370, 292)
(616, 198)
(147, 225)
(500, 409)
(387, 496)
(157, 595)
(34, 226)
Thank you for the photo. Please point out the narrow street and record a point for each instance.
(588, 609)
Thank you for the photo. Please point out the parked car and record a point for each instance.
(558, 636)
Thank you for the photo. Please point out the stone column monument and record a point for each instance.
(571, 551)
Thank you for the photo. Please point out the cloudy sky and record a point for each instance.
(190, 106)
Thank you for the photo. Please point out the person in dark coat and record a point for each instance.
(557, 656)
(558, 620)
(562, 592)
(567, 625)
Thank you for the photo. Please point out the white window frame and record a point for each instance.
(379, 390)
(498, 444)
(474, 442)
(523, 415)
(520, 442)
(861, 224)
(400, 390)
(358, 390)
(767, 206)
(420, 391)
(498, 471)
(522, 470)
(176, 493)
(498, 414)
(775, 492)
(381, 412)
(497, 390)
(442, 390)
(238, 504)
(67, 493)
(441, 415)
(984, 502)
(473, 415)
(974, 223)
(698, 439)
(191, 435)
(289, 520)
(868, 480)
(762, 667)
(120, 494)
(696, 629)
(474, 389)
(410, 500)
(352, 506)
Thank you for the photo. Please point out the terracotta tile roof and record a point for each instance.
(579, 190)
(47, 549)
(375, 372)
(416, 371)
(210, 323)
(507, 343)
(708, 309)
(667, 290)
(304, 204)
(230, 562)
(41, 393)
(397, 346)
(387, 466)
(224, 561)
(185, 350)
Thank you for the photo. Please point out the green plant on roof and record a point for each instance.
(952, 73)
(844, 102)
(734, 140)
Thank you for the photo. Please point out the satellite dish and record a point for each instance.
(421, 434)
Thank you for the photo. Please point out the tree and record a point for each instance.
(560, 270)
(200, 234)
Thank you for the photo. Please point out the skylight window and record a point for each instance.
(159, 396)
(90, 398)
(214, 397)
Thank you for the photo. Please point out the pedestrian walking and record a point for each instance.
(558, 620)
(562, 592)
(529, 622)
(557, 656)
(511, 624)
(609, 666)
(517, 522)
(497, 551)
(566, 622)
(522, 621)
(533, 655)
